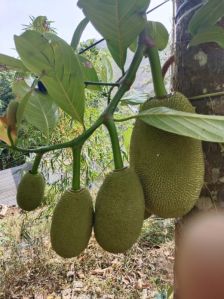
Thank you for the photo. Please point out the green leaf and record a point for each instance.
(213, 34)
(54, 60)
(22, 92)
(134, 98)
(206, 16)
(78, 33)
(127, 138)
(89, 72)
(158, 32)
(119, 22)
(41, 112)
(202, 127)
(107, 69)
(12, 63)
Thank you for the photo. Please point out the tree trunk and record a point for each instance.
(200, 70)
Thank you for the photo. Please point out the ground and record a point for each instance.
(30, 269)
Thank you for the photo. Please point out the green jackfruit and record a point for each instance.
(30, 191)
(119, 211)
(72, 223)
(11, 114)
(170, 167)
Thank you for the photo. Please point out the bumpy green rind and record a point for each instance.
(72, 223)
(119, 211)
(170, 167)
(30, 191)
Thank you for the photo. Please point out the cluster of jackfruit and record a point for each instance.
(170, 166)
(165, 178)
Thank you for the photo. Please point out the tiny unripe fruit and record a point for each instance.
(119, 212)
(72, 223)
(30, 191)
(11, 114)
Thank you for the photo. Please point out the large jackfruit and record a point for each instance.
(119, 211)
(30, 191)
(170, 167)
(72, 223)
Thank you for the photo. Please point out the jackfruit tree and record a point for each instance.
(166, 171)
(199, 75)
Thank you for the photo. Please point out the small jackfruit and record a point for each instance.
(72, 223)
(30, 191)
(11, 114)
(170, 167)
(119, 211)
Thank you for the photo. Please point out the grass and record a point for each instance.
(29, 267)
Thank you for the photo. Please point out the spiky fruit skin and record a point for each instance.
(170, 167)
(72, 223)
(119, 211)
(30, 191)
(11, 113)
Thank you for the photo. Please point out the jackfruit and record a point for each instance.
(11, 114)
(170, 167)
(119, 211)
(72, 223)
(30, 191)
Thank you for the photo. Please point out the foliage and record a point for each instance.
(203, 25)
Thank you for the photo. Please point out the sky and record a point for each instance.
(65, 14)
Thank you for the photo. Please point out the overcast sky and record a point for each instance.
(65, 14)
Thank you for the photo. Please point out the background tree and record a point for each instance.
(199, 71)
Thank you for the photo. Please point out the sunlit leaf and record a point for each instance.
(208, 15)
(12, 63)
(135, 98)
(41, 112)
(198, 126)
(119, 22)
(89, 72)
(78, 33)
(51, 58)
(213, 34)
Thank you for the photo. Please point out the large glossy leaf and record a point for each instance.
(202, 127)
(54, 60)
(134, 98)
(213, 34)
(106, 69)
(37, 108)
(22, 92)
(12, 63)
(158, 32)
(89, 72)
(78, 33)
(119, 22)
(41, 112)
(206, 16)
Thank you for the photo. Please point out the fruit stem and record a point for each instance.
(118, 162)
(76, 151)
(36, 163)
(157, 76)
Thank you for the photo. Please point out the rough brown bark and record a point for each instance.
(200, 70)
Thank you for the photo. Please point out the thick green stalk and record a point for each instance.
(118, 162)
(76, 151)
(36, 163)
(158, 82)
(125, 85)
